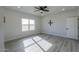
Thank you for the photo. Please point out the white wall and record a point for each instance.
(1, 30)
(1, 40)
(13, 25)
(59, 26)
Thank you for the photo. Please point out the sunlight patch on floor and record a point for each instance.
(39, 45)
(33, 48)
(37, 38)
(45, 45)
(28, 42)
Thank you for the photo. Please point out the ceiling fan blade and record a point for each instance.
(46, 10)
(37, 7)
(45, 6)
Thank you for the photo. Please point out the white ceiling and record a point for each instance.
(31, 9)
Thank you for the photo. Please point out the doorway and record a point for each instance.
(72, 27)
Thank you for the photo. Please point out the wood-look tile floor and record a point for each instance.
(42, 43)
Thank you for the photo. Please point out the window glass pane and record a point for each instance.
(32, 21)
(25, 28)
(25, 21)
(32, 27)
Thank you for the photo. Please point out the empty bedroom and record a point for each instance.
(39, 28)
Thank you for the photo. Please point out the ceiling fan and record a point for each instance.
(41, 9)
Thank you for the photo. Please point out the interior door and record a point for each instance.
(71, 28)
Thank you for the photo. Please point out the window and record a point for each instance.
(28, 24)
(25, 25)
(32, 25)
